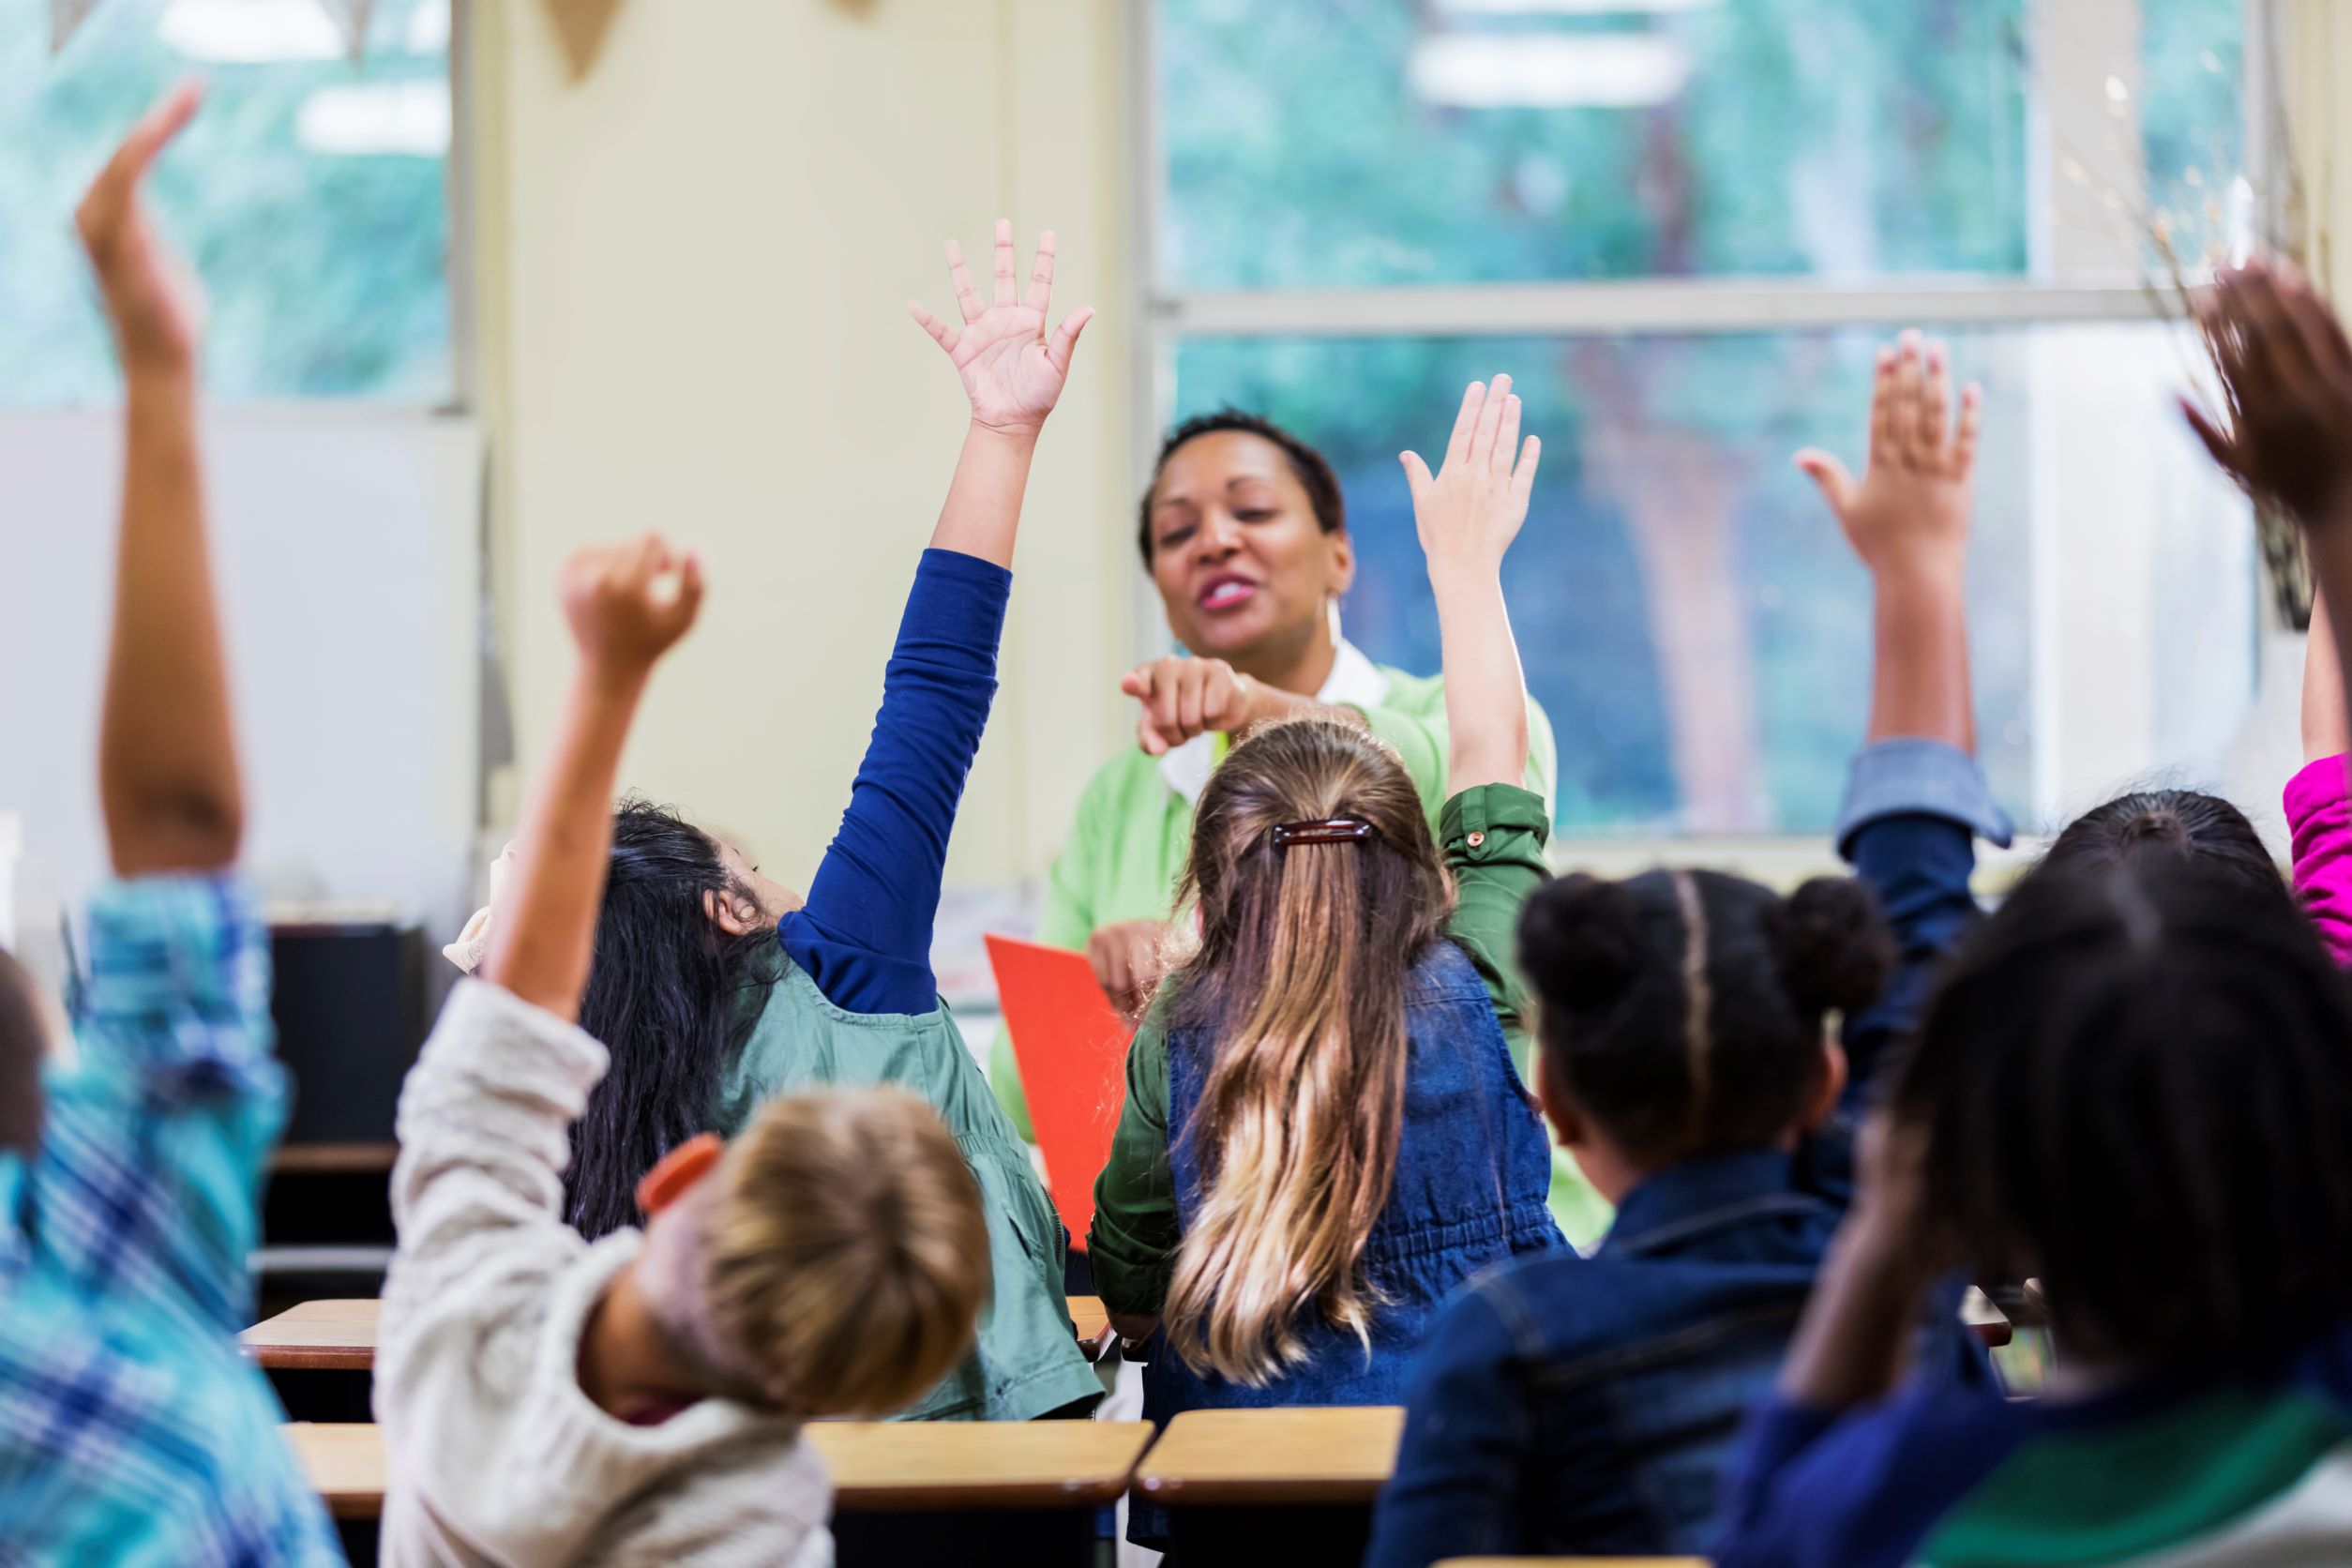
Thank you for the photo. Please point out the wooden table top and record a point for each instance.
(1319, 1454)
(876, 1465)
(340, 1336)
(317, 1336)
(344, 1461)
(912, 1465)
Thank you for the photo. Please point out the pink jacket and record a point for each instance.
(2320, 820)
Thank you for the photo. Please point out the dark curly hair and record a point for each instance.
(1628, 972)
(2135, 1083)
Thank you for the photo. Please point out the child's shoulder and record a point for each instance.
(1601, 1316)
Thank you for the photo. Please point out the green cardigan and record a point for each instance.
(1027, 1360)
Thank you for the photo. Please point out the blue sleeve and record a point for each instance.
(1863, 1489)
(157, 1131)
(1913, 811)
(865, 935)
(1454, 1491)
(1777, 1433)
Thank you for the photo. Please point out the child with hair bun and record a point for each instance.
(1707, 1046)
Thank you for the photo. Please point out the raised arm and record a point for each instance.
(157, 1129)
(2285, 437)
(865, 936)
(2285, 432)
(626, 604)
(1014, 375)
(1468, 515)
(1915, 800)
(1907, 518)
(167, 751)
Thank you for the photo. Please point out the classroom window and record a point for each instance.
(1683, 225)
(1338, 143)
(312, 196)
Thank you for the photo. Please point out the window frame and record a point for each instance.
(2079, 270)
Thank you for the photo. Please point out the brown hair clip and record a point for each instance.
(1329, 830)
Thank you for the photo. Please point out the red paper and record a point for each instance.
(1072, 1047)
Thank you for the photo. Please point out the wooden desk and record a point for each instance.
(345, 1462)
(340, 1335)
(1990, 1322)
(1271, 1486)
(316, 1336)
(1302, 1455)
(1029, 1491)
(1009, 1492)
(333, 1159)
(920, 1467)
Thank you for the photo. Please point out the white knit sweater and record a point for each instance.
(494, 1455)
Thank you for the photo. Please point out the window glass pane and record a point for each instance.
(2193, 68)
(1367, 142)
(310, 194)
(1689, 615)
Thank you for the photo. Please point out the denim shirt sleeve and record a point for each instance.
(1913, 811)
(1914, 775)
(1133, 1240)
(157, 1131)
(1457, 1487)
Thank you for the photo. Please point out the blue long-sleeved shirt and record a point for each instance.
(865, 935)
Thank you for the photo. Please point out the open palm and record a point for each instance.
(155, 304)
(1012, 372)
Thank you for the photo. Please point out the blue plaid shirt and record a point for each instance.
(131, 1430)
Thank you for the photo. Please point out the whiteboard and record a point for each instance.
(347, 546)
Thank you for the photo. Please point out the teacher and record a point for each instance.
(1246, 535)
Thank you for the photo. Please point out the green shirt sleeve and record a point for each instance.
(1132, 1243)
(1493, 839)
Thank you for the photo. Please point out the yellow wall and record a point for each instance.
(691, 272)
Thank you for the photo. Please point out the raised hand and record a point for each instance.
(2286, 376)
(156, 308)
(1467, 516)
(1916, 490)
(628, 603)
(1472, 510)
(1012, 372)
